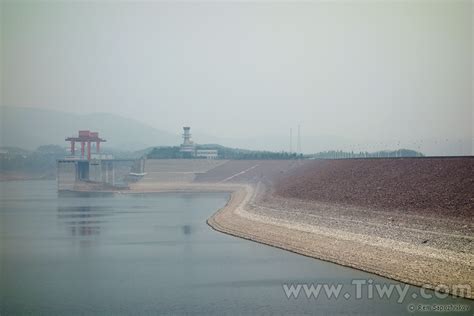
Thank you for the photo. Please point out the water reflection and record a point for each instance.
(70, 194)
(186, 229)
(84, 230)
(81, 220)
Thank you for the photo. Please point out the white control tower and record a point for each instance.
(187, 146)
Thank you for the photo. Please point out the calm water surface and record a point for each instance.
(154, 253)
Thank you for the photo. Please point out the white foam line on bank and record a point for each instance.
(342, 219)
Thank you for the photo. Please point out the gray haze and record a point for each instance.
(355, 74)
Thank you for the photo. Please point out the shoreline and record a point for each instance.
(390, 258)
(247, 215)
(254, 213)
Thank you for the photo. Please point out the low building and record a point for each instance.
(207, 153)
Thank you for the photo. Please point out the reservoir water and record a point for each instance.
(155, 254)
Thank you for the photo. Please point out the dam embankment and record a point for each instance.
(373, 215)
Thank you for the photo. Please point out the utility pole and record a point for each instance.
(298, 148)
(291, 140)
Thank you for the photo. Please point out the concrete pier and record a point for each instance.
(97, 174)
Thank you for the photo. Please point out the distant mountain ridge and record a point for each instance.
(29, 128)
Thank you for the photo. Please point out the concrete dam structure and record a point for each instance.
(89, 172)
(99, 174)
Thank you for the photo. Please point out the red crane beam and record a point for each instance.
(84, 137)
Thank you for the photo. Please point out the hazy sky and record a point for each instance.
(352, 72)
